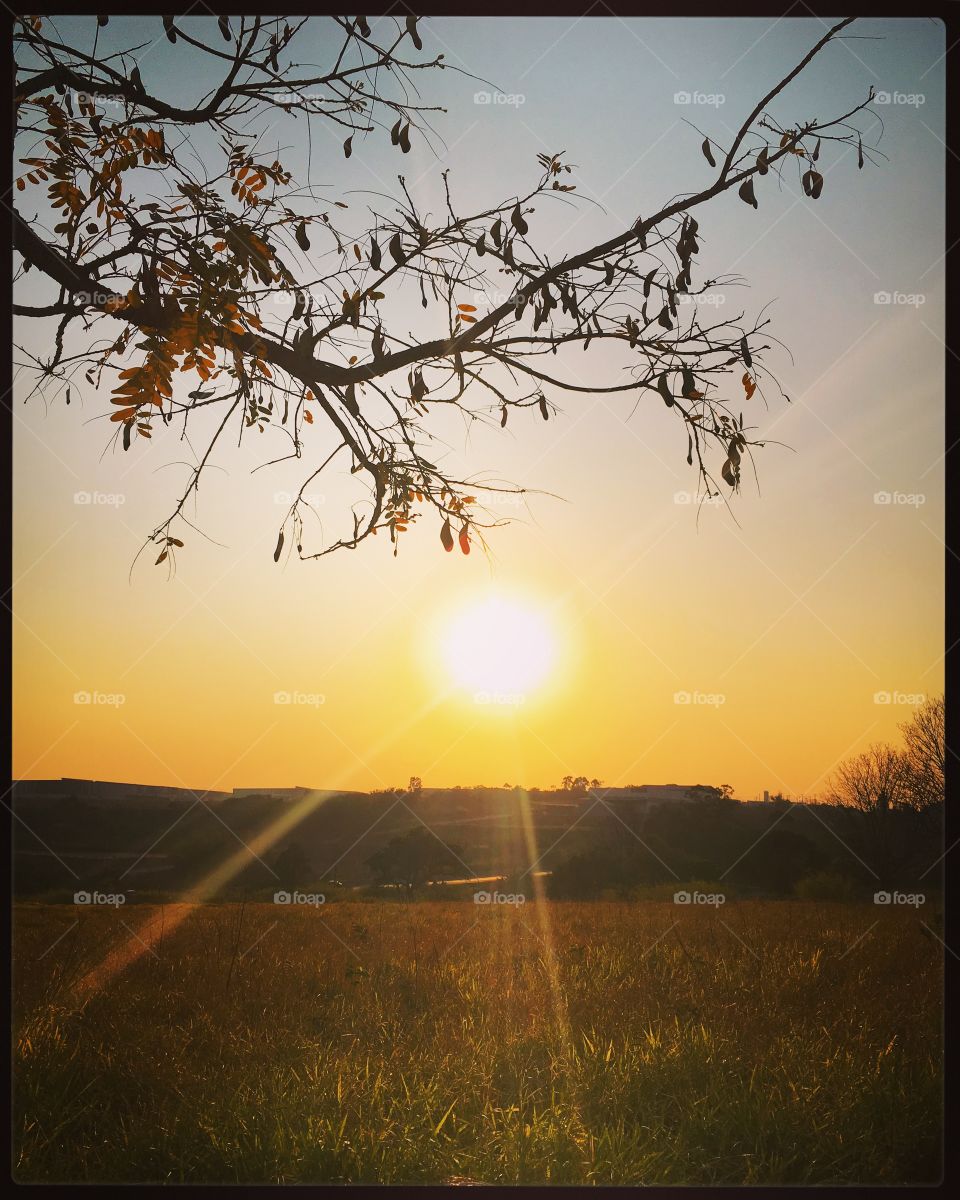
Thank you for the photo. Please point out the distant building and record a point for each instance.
(289, 793)
(107, 791)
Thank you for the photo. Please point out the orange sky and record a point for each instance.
(793, 620)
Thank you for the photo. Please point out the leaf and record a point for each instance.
(664, 389)
(480, 246)
(749, 386)
(729, 473)
(163, 555)
(762, 165)
(395, 132)
(816, 151)
(813, 184)
(446, 537)
(503, 417)
(348, 146)
(664, 318)
(301, 235)
(707, 152)
(517, 221)
(279, 549)
(127, 432)
(859, 154)
(544, 410)
(467, 307)
(412, 30)
(688, 385)
(404, 138)
(374, 255)
(745, 352)
(746, 193)
(396, 248)
(464, 541)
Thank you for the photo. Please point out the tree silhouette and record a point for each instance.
(182, 286)
(924, 735)
(415, 857)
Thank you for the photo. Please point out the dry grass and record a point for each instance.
(558, 1042)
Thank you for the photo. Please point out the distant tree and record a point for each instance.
(415, 857)
(177, 267)
(924, 735)
(292, 866)
(875, 781)
(595, 784)
(415, 786)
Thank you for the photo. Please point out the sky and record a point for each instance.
(756, 648)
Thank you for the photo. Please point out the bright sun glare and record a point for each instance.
(500, 647)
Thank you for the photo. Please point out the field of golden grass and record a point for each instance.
(557, 1042)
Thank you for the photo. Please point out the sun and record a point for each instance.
(500, 649)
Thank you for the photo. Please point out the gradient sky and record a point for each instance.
(818, 600)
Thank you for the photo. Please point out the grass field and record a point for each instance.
(598, 1043)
